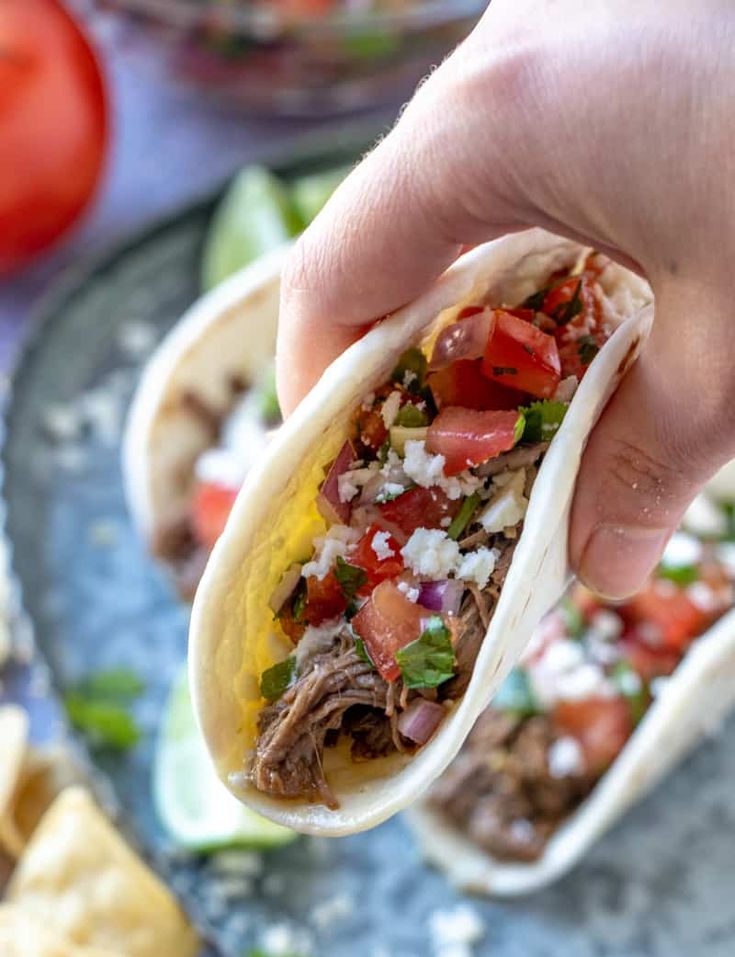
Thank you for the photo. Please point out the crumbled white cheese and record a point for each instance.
(566, 389)
(327, 912)
(368, 401)
(339, 541)
(606, 624)
(703, 596)
(629, 682)
(283, 940)
(409, 377)
(427, 470)
(726, 556)
(136, 338)
(350, 482)
(410, 591)
(390, 409)
(565, 757)
(705, 518)
(430, 552)
(681, 550)
(389, 491)
(460, 926)
(241, 446)
(445, 522)
(563, 673)
(508, 506)
(380, 544)
(478, 566)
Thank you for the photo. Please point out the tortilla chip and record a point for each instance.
(80, 877)
(46, 772)
(22, 936)
(13, 743)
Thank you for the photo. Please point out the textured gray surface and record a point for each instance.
(661, 885)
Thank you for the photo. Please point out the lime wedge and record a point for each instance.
(310, 193)
(255, 216)
(195, 808)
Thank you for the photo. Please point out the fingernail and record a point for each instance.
(618, 558)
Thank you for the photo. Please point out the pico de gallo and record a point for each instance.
(423, 506)
(237, 442)
(584, 683)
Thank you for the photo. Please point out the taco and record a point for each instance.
(606, 698)
(200, 417)
(388, 559)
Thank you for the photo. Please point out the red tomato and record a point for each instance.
(467, 437)
(211, 508)
(387, 622)
(371, 429)
(673, 618)
(418, 508)
(324, 599)
(462, 383)
(600, 725)
(294, 629)
(53, 126)
(527, 315)
(521, 356)
(377, 569)
(646, 661)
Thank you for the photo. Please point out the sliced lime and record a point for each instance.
(195, 808)
(310, 193)
(255, 216)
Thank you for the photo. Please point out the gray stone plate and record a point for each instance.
(662, 884)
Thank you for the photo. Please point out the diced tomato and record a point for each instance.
(521, 356)
(646, 661)
(462, 383)
(527, 315)
(575, 357)
(387, 622)
(294, 629)
(324, 599)
(469, 311)
(377, 569)
(600, 725)
(371, 430)
(211, 508)
(668, 614)
(418, 508)
(466, 437)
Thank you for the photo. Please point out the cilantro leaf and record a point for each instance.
(120, 684)
(275, 680)
(573, 619)
(681, 575)
(106, 725)
(460, 520)
(542, 419)
(268, 404)
(429, 660)
(632, 687)
(516, 696)
(350, 577)
(362, 652)
(587, 349)
(411, 417)
(535, 301)
(414, 362)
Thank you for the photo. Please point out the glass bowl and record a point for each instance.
(302, 57)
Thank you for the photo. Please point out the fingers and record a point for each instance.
(662, 436)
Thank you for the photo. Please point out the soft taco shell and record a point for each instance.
(275, 520)
(228, 334)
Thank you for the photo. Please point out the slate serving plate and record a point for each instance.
(660, 885)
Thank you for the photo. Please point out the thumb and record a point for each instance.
(663, 434)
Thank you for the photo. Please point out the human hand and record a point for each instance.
(608, 123)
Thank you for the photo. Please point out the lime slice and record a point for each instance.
(310, 193)
(196, 809)
(255, 216)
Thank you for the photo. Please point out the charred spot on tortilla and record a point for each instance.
(629, 358)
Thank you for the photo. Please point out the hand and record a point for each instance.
(611, 123)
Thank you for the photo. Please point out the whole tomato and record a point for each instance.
(53, 127)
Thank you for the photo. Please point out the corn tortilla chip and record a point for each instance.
(22, 936)
(13, 743)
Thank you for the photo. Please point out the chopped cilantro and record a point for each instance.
(361, 651)
(460, 520)
(516, 696)
(520, 427)
(98, 707)
(429, 660)
(411, 417)
(350, 577)
(632, 687)
(296, 603)
(568, 310)
(413, 361)
(681, 575)
(573, 619)
(275, 680)
(542, 419)
(270, 409)
(535, 301)
(587, 349)
(728, 509)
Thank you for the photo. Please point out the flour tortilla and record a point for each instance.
(80, 879)
(229, 332)
(275, 520)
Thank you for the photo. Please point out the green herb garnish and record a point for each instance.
(681, 575)
(542, 419)
(296, 603)
(428, 661)
(411, 417)
(587, 349)
(270, 410)
(535, 301)
(274, 681)
(362, 652)
(632, 687)
(460, 520)
(520, 427)
(414, 362)
(566, 312)
(573, 619)
(350, 577)
(99, 708)
(515, 695)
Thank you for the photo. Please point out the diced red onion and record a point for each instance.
(442, 596)
(465, 339)
(420, 720)
(328, 501)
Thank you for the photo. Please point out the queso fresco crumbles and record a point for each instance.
(424, 504)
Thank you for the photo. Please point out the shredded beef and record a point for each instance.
(520, 457)
(499, 790)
